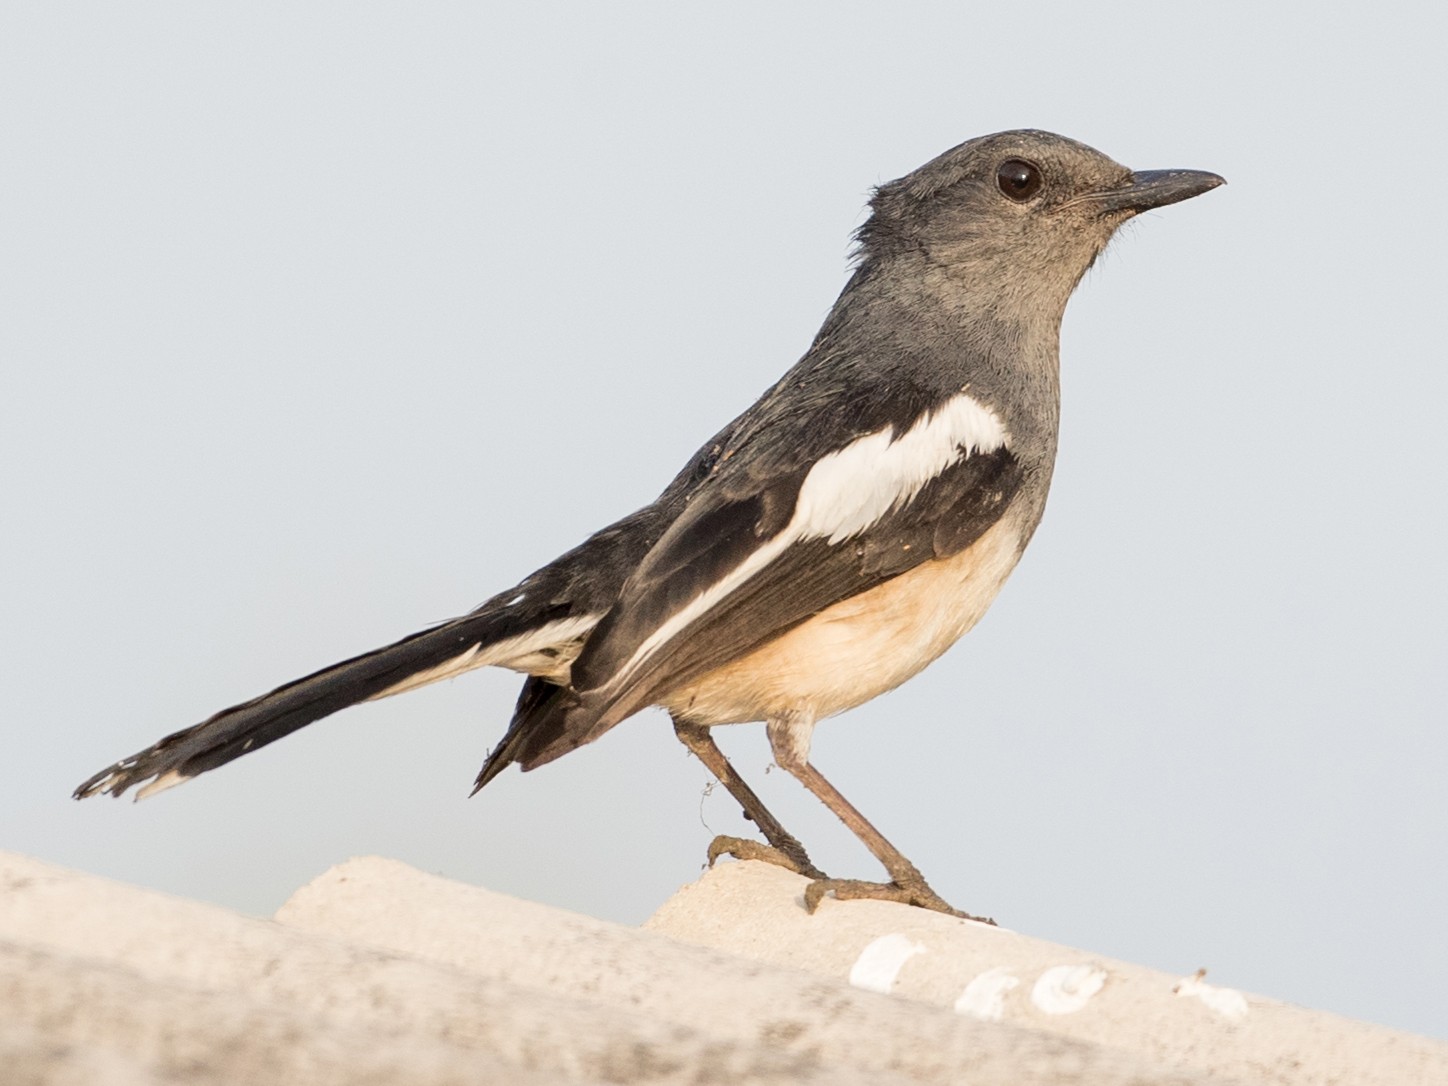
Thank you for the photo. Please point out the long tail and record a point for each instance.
(536, 627)
(491, 635)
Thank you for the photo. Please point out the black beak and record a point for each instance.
(1147, 189)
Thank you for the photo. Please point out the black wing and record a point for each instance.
(714, 538)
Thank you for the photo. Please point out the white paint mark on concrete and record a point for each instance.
(880, 963)
(1228, 1002)
(985, 996)
(1065, 989)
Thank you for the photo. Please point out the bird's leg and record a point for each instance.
(783, 849)
(789, 738)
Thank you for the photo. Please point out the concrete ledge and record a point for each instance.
(80, 1021)
(377, 973)
(755, 911)
(818, 1024)
(166, 981)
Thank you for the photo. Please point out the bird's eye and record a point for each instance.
(1018, 179)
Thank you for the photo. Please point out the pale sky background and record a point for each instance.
(319, 323)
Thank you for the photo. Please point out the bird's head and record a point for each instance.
(1015, 217)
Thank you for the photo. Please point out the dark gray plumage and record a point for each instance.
(825, 545)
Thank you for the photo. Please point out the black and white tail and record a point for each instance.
(537, 627)
(539, 644)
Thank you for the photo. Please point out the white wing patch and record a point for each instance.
(848, 491)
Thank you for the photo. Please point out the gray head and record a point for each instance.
(1016, 217)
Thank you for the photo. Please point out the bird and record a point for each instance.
(824, 546)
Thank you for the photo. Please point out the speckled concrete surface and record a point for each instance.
(375, 972)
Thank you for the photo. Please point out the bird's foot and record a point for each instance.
(741, 848)
(912, 892)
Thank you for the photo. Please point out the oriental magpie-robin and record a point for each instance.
(823, 547)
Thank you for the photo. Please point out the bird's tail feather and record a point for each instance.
(474, 640)
(537, 720)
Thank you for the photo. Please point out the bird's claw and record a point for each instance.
(910, 893)
(741, 848)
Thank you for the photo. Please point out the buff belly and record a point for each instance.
(858, 648)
